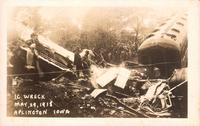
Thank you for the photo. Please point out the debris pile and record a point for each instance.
(151, 97)
(107, 91)
(112, 92)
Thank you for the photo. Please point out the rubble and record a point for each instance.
(153, 99)
(113, 91)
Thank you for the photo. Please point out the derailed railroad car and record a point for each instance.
(166, 46)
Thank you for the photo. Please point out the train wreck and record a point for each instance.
(149, 88)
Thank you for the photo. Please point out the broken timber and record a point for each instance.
(120, 74)
(52, 57)
(122, 78)
(107, 77)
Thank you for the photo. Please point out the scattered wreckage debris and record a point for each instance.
(155, 97)
(112, 90)
(109, 90)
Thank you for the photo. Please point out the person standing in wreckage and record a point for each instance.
(18, 61)
(78, 62)
(32, 57)
(86, 64)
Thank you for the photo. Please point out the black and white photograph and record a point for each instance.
(98, 61)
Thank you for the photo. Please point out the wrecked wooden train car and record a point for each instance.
(52, 59)
(166, 46)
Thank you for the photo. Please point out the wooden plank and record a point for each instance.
(97, 92)
(122, 77)
(107, 77)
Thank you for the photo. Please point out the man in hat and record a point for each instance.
(32, 45)
(86, 64)
(32, 56)
(34, 39)
(78, 61)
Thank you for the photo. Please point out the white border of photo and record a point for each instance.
(193, 66)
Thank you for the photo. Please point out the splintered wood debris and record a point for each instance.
(120, 74)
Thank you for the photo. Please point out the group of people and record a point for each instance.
(82, 64)
(117, 54)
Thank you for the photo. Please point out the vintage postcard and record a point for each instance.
(100, 60)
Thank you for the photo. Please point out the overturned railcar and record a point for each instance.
(166, 46)
(50, 63)
(53, 59)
